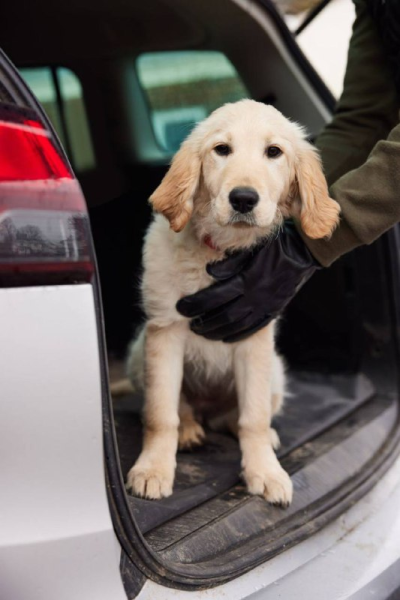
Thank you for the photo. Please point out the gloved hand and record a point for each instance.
(253, 287)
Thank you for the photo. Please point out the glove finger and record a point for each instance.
(229, 329)
(246, 332)
(216, 319)
(209, 299)
(229, 266)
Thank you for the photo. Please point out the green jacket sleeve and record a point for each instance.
(356, 151)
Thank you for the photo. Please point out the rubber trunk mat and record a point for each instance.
(314, 403)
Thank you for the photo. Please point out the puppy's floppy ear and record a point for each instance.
(174, 196)
(319, 214)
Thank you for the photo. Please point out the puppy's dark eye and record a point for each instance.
(223, 149)
(273, 151)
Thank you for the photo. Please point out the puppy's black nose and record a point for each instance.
(243, 199)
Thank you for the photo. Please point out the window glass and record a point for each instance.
(185, 87)
(325, 42)
(76, 120)
(66, 112)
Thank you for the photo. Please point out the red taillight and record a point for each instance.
(29, 139)
(44, 229)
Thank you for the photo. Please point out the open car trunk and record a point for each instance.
(338, 424)
(338, 429)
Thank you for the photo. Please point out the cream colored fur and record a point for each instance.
(177, 368)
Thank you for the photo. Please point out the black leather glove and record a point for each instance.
(253, 287)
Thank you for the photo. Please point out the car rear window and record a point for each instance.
(325, 41)
(60, 93)
(183, 88)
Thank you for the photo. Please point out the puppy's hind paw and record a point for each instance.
(191, 434)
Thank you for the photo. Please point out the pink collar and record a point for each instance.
(207, 240)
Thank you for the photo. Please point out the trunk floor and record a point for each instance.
(314, 404)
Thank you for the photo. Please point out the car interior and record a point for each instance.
(123, 83)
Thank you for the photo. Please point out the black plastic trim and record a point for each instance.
(133, 578)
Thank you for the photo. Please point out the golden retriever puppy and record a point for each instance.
(245, 146)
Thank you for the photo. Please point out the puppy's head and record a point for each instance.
(240, 172)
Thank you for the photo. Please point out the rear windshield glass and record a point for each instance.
(183, 88)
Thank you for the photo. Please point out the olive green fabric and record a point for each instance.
(360, 148)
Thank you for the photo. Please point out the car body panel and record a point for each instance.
(57, 538)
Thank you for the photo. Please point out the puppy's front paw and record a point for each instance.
(151, 481)
(190, 434)
(271, 482)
